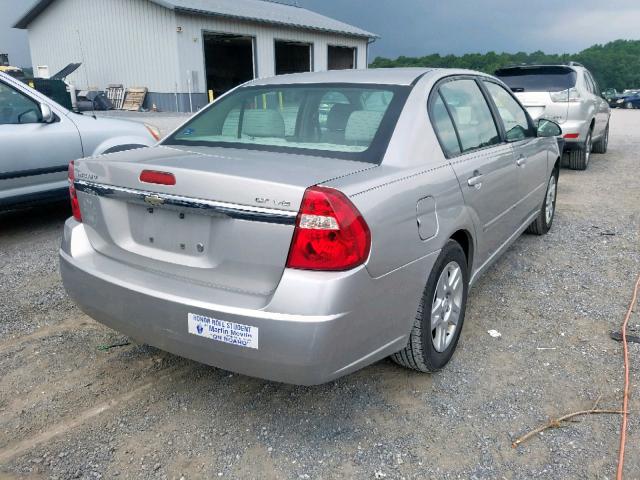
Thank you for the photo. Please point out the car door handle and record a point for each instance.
(476, 180)
(521, 162)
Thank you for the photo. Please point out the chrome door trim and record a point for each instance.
(177, 202)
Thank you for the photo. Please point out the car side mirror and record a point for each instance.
(547, 128)
(46, 113)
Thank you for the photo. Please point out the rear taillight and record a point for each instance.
(330, 233)
(566, 96)
(73, 195)
(159, 178)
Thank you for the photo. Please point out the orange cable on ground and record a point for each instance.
(625, 399)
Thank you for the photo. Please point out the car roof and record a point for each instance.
(542, 65)
(380, 76)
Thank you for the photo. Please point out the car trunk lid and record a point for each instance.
(540, 105)
(227, 223)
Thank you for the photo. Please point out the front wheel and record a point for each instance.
(440, 316)
(628, 105)
(544, 220)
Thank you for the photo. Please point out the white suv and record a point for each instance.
(568, 95)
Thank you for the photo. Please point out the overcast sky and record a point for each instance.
(419, 27)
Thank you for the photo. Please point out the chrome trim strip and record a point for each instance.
(177, 202)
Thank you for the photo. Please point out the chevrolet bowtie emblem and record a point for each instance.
(154, 200)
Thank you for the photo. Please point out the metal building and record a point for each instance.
(185, 50)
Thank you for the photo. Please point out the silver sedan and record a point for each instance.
(305, 226)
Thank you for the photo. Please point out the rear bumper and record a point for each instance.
(317, 326)
(581, 127)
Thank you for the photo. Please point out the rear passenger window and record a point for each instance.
(512, 114)
(589, 84)
(444, 127)
(470, 113)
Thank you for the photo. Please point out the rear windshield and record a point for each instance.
(538, 79)
(346, 121)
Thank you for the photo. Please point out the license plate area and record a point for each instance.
(171, 230)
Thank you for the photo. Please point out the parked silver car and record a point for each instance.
(568, 95)
(270, 239)
(38, 138)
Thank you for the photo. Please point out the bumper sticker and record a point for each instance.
(223, 331)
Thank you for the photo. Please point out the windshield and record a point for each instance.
(538, 79)
(338, 120)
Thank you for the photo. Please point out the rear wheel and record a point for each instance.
(579, 158)
(542, 224)
(440, 315)
(601, 145)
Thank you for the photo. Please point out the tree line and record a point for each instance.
(614, 65)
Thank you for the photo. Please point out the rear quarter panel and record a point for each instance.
(413, 168)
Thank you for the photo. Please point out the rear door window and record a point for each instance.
(444, 127)
(471, 114)
(593, 86)
(538, 79)
(513, 116)
(590, 86)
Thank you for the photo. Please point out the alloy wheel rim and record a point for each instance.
(588, 147)
(446, 307)
(551, 199)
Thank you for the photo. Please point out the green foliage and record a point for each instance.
(615, 65)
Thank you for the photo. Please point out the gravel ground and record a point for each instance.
(71, 410)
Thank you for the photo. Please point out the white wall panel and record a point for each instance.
(136, 43)
(123, 41)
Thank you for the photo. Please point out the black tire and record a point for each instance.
(540, 225)
(628, 105)
(579, 158)
(420, 353)
(601, 145)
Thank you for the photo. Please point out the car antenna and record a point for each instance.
(86, 74)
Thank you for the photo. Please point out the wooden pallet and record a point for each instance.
(134, 99)
(115, 93)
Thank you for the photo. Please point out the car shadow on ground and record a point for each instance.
(36, 217)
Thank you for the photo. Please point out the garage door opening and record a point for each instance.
(292, 57)
(228, 61)
(341, 58)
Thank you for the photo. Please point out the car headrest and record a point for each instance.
(338, 117)
(263, 123)
(362, 126)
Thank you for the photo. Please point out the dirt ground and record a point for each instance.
(69, 409)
